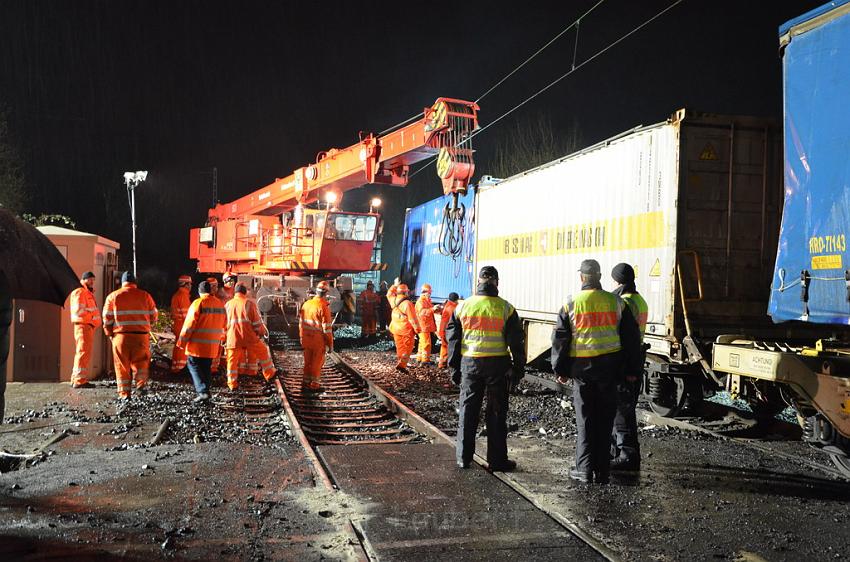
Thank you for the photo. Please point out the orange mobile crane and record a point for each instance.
(271, 233)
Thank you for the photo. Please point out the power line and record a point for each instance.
(575, 68)
(541, 49)
(557, 80)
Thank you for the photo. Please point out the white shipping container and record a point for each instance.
(699, 192)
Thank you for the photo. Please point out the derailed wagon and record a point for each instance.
(691, 203)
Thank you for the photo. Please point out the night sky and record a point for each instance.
(258, 88)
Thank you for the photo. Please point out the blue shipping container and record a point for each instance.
(421, 258)
(812, 256)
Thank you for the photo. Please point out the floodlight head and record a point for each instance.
(141, 175)
(376, 202)
(330, 197)
(129, 176)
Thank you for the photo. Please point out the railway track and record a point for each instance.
(355, 411)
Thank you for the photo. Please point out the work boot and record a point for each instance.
(402, 369)
(584, 476)
(625, 464)
(463, 464)
(201, 398)
(600, 477)
(507, 466)
(83, 385)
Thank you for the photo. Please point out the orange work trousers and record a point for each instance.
(424, 355)
(251, 354)
(369, 325)
(403, 348)
(132, 356)
(314, 358)
(178, 359)
(444, 352)
(84, 337)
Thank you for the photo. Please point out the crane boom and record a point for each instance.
(256, 233)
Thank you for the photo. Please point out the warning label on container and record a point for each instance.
(656, 269)
(647, 230)
(708, 152)
(827, 262)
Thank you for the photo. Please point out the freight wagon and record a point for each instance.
(437, 250)
(691, 203)
(811, 280)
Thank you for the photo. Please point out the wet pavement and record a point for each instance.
(697, 497)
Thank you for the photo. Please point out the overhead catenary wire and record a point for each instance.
(575, 68)
(543, 48)
(557, 80)
(560, 34)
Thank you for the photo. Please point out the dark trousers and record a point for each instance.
(595, 401)
(4, 356)
(201, 370)
(485, 375)
(624, 439)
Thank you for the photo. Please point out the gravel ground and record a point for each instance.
(698, 496)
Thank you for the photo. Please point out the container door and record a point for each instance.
(36, 345)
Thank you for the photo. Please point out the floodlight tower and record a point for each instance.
(132, 180)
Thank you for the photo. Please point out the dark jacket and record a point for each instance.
(514, 335)
(627, 362)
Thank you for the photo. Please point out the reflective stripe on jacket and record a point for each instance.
(404, 320)
(244, 324)
(315, 320)
(180, 302)
(129, 310)
(594, 318)
(639, 308)
(203, 329)
(83, 308)
(425, 313)
(483, 321)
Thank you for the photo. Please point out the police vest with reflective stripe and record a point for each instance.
(639, 310)
(595, 317)
(483, 319)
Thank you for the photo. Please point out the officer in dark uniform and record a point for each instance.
(486, 355)
(625, 448)
(596, 342)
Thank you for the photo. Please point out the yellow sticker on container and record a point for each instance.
(827, 262)
(708, 152)
(656, 269)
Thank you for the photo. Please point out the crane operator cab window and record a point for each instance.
(344, 226)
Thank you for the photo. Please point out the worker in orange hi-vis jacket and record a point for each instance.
(445, 315)
(315, 326)
(219, 294)
(85, 316)
(180, 302)
(128, 314)
(370, 303)
(404, 326)
(427, 325)
(245, 329)
(201, 337)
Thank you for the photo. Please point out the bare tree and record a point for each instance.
(13, 192)
(531, 143)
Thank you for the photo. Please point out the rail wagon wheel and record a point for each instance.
(666, 394)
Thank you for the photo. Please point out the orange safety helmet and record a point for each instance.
(402, 289)
(184, 279)
(229, 278)
(426, 288)
(323, 287)
(212, 280)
